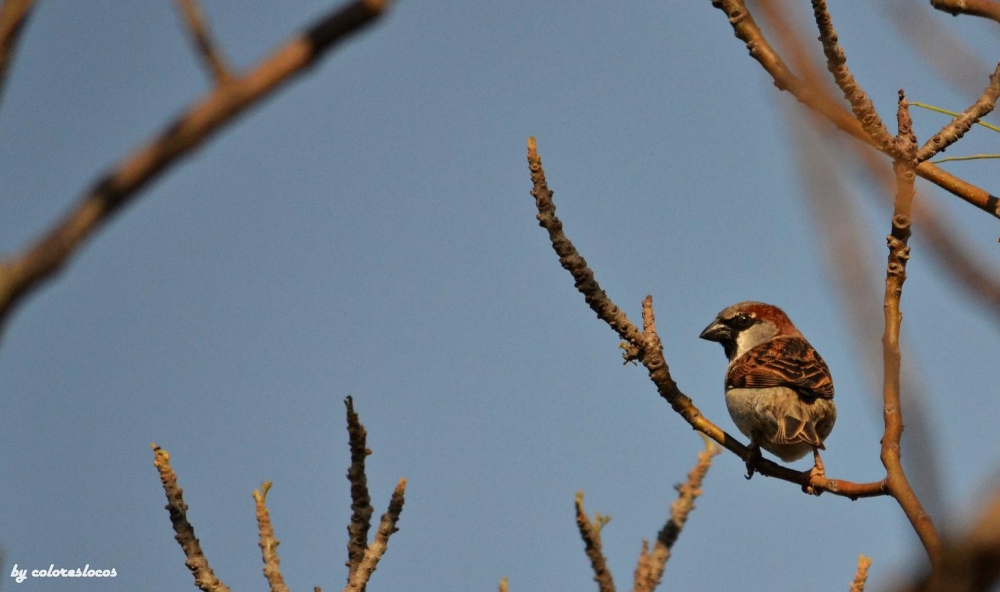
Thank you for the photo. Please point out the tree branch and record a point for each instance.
(649, 571)
(204, 577)
(861, 576)
(954, 130)
(13, 16)
(212, 59)
(899, 253)
(25, 272)
(746, 29)
(591, 535)
(984, 8)
(359, 580)
(361, 501)
(268, 543)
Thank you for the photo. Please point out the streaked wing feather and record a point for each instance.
(787, 361)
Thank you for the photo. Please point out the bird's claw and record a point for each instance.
(752, 457)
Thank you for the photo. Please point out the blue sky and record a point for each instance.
(368, 232)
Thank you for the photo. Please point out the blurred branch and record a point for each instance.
(204, 577)
(649, 571)
(984, 8)
(13, 16)
(361, 506)
(21, 274)
(861, 576)
(268, 543)
(503, 584)
(591, 534)
(197, 28)
(899, 253)
(972, 562)
(647, 348)
(746, 29)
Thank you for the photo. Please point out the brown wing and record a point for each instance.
(786, 361)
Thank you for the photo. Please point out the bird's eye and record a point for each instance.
(742, 321)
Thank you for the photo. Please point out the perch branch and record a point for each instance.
(204, 577)
(899, 253)
(591, 535)
(26, 271)
(212, 59)
(13, 16)
(747, 30)
(649, 571)
(647, 348)
(361, 501)
(268, 543)
(359, 579)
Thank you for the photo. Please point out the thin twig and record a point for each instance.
(195, 560)
(591, 535)
(984, 8)
(954, 130)
(861, 575)
(25, 272)
(647, 348)
(988, 126)
(361, 501)
(649, 571)
(212, 58)
(503, 584)
(13, 16)
(899, 253)
(268, 543)
(359, 580)
(746, 29)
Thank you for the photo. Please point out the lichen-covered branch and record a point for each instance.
(361, 501)
(747, 30)
(899, 254)
(195, 560)
(649, 571)
(957, 127)
(861, 575)
(647, 348)
(591, 534)
(268, 543)
(27, 270)
(359, 579)
(215, 64)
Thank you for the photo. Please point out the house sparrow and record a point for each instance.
(778, 389)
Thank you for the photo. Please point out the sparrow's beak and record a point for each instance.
(717, 332)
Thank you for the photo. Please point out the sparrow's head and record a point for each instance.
(745, 325)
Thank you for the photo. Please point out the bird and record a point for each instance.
(779, 391)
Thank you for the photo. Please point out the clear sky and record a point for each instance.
(368, 232)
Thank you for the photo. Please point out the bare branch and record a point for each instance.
(746, 29)
(361, 501)
(591, 535)
(836, 63)
(861, 576)
(984, 8)
(899, 253)
(649, 572)
(359, 580)
(25, 272)
(13, 16)
(268, 543)
(503, 584)
(204, 577)
(648, 349)
(958, 126)
(213, 60)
